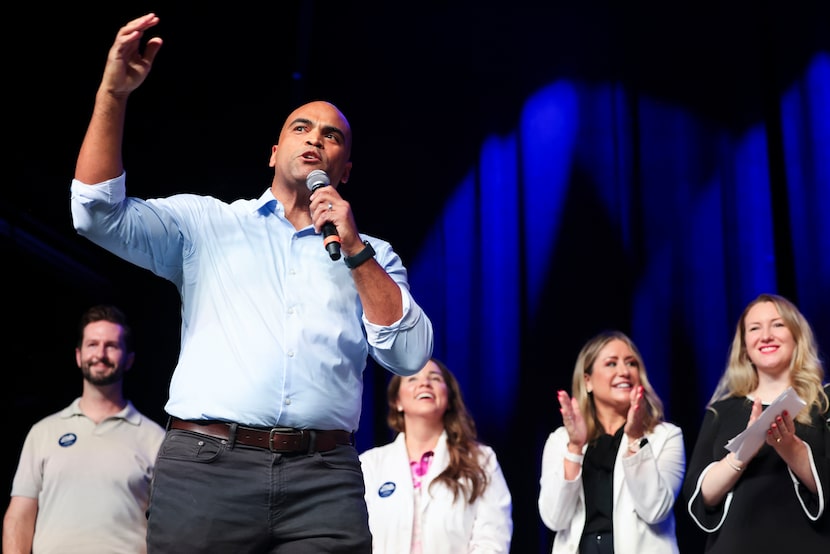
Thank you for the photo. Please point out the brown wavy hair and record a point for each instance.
(464, 474)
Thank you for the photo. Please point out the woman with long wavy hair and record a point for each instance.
(435, 489)
(775, 498)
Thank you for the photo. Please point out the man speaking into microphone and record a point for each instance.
(275, 332)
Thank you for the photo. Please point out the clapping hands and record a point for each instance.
(634, 426)
(573, 420)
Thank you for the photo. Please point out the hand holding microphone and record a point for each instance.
(331, 240)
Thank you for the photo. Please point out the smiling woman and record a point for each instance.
(435, 455)
(773, 349)
(612, 472)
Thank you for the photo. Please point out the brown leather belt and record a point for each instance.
(278, 439)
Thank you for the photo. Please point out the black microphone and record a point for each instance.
(331, 240)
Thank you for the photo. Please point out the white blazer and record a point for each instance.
(646, 486)
(486, 526)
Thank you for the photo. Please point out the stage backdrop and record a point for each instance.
(605, 208)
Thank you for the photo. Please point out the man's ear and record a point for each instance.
(347, 171)
(128, 363)
(272, 161)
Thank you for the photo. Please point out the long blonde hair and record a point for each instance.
(806, 371)
(585, 366)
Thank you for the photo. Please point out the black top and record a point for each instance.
(598, 482)
(766, 513)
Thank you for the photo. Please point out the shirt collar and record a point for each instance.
(267, 203)
(128, 414)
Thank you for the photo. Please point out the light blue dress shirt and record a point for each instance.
(273, 331)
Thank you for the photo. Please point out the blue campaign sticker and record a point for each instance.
(386, 489)
(68, 439)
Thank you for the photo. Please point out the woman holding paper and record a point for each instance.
(771, 493)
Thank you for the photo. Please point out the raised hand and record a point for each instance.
(573, 420)
(781, 432)
(127, 66)
(757, 410)
(634, 418)
(754, 414)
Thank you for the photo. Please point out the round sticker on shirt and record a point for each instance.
(386, 489)
(68, 439)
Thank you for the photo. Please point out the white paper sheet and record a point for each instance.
(750, 440)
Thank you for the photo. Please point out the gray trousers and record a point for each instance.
(208, 496)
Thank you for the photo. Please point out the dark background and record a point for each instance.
(422, 85)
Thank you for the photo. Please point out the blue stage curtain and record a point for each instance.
(609, 209)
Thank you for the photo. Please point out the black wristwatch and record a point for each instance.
(358, 259)
(635, 447)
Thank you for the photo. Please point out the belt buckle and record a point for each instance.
(282, 431)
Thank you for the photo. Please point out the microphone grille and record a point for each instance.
(317, 178)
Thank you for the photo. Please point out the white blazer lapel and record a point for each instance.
(440, 461)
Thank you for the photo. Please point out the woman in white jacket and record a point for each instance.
(435, 489)
(612, 472)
